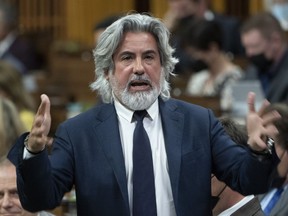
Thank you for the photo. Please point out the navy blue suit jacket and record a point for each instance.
(87, 152)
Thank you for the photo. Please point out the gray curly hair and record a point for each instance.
(110, 40)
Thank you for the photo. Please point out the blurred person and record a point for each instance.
(203, 40)
(230, 26)
(11, 125)
(9, 199)
(181, 12)
(102, 25)
(177, 10)
(227, 202)
(98, 151)
(274, 202)
(279, 8)
(266, 47)
(14, 47)
(12, 87)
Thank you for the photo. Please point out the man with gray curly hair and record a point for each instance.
(141, 152)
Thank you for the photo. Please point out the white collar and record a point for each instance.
(153, 110)
(236, 206)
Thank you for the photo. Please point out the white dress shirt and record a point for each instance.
(237, 206)
(153, 127)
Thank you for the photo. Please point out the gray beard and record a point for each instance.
(139, 100)
(135, 101)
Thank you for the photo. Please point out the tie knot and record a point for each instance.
(139, 115)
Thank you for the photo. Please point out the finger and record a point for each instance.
(263, 107)
(271, 131)
(44, 106)
(270, 117)
(251, 102)
(261, 144)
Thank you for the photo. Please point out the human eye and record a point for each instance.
(126, 57)
(14, 193)
(1, 195)
(149, 58)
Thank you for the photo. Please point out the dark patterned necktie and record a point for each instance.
(144, 202)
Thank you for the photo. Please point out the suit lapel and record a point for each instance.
(107, 131)
(108, 135)
(172, 123)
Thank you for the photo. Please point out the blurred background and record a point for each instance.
(62, 36)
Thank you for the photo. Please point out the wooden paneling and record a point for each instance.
(219, 6)
(67, 20)
(158, 7)
(75, 19)
(255, 6)
(43, 16)
(83, 14)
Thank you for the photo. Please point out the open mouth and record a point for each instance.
(140, 85)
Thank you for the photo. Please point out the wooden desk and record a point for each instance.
(212, 103)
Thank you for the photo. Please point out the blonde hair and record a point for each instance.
(11, 85)
(11, 125)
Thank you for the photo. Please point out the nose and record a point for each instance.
(6, 201)
(138, 66)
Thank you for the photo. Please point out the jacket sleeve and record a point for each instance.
(37, 188)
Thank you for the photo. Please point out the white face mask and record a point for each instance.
(280, 11)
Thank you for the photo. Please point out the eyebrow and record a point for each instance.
(145, 52)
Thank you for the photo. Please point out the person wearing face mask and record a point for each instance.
(178, 16)
(203, 40)
(265, 45)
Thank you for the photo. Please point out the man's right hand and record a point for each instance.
(38, 137)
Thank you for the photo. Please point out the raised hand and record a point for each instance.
(260, 126)
(38, 137)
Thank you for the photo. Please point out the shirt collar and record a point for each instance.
(236, 206)
(153, 110)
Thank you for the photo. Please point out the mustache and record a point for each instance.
(144, 79)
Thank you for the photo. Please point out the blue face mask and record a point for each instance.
(280, 11)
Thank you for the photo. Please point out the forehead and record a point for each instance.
(253, 36)
(7, 176)
(137, 41)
